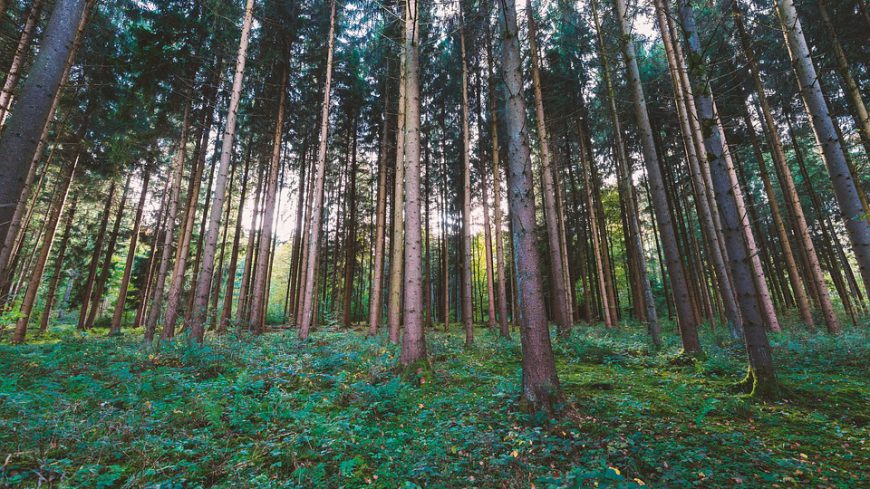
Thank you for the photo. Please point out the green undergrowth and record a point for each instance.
(335, 411)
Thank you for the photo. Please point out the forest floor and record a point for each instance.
(90, 411)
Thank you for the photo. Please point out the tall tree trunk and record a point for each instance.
(260, 277)
(51, 293)
(204, 277)
(317, 188)
(350, 238)
(9, 248)
(626, 190)
(100, 284)
(397, 242)
(467, 305)
(853, 92)
(14, 72)
(787, 184)
(413, 337)
(95, 258)
(561, 297)
(686, 318)
(496, 195)
(761, 372)
(226, 311)
(703, 200)
(156, 305)
(20, 138)
(376, 296)
(131, 255)
(65, 180)
(845, 187)
(540, 384)
(186, 231)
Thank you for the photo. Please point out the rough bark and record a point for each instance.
(845, 188)
(467, 304)
(21, 136)
(204, 277)
(540, 384)
(317, 189)
(413, 337)
(51, 293)
(156, 306)
(561, 301)
(65, 180)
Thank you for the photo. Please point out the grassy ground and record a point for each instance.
(89, 411)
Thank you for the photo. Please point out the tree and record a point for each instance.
(204, 277)
(21, 135)
(540, 384)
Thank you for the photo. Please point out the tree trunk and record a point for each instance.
(226, 311)
(21, 136)
(845, 187)
(260, 277)
(561, 301)
(14, 72)
(704, 207)
(686, 318)
(789, 191)
(626, 190)
(204, 277)
(317, 188)
(413, 338)
(95, 259)
(853, 92)
(397, 242)
(540, 384)
(51, 293)
(496, 197)
(376, 296)
(467, 304)
(168, 228)
(65, 180)
(761, 373)
(131, 255)
(100, 285)
(350, 238)
(15, 229)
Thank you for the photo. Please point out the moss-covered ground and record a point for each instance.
(90, 411)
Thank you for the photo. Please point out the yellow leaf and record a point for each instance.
(615, 470)
(639, 482)
(515, 454)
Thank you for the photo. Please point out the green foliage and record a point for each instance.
(270, 411)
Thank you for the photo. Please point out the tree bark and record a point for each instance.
(14, 72)
(561, 294)
(22, 134)
(845, 188)
(540, 384)
(317, 188)
(51, 293)
(156, 306)
(204, 277)
(66, 178)
(131, 255)
(413, 337)
(397, 242)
